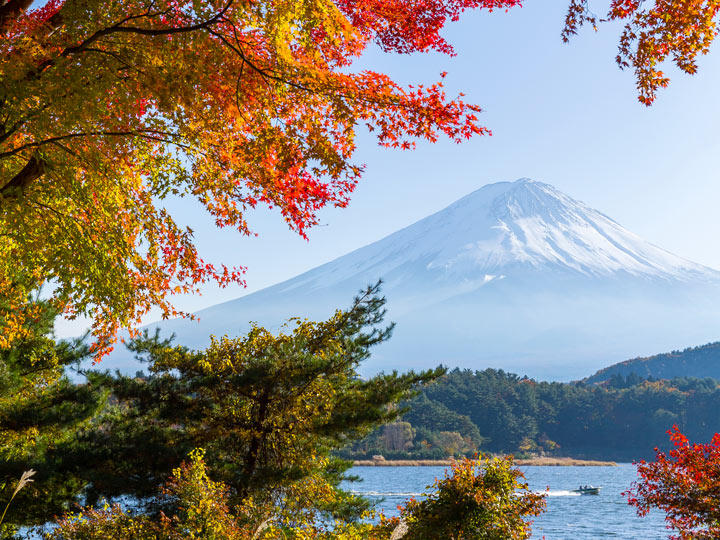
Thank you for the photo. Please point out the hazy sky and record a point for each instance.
(561, 114)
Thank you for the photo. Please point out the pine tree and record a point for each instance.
(268, 410)
(41, 413)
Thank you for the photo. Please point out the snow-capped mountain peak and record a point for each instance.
(509, 228)
(515, 275)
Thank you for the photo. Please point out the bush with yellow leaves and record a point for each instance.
(479, 500)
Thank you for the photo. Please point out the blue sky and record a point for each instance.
(561, 114)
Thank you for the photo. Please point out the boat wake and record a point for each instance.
(549, 493)
(387, 493)
(560, 493)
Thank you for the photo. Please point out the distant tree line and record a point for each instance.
(621, 419)
(702, 361)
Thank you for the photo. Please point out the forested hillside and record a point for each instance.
(493, 411)
(702, 361)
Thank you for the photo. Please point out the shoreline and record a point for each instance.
(531, 462)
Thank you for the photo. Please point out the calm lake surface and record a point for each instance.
(568, 516)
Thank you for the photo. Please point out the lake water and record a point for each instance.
(568, 516)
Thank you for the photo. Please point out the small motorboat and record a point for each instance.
(587, 490)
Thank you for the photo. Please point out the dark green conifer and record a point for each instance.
(42, 411)
(267, 408)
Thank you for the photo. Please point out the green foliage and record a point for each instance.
(697, 362)
(433, 431)
(268, 409)
(41, 413)
(493, 411)
(203, 513)
(484, 500)
(436, 417)
(479, 500)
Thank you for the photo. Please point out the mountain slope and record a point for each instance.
(515, 275)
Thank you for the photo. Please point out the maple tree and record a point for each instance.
(685, 484)
(109, 109)
(653, 32)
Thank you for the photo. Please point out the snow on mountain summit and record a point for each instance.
(509, 228)
(535, 224)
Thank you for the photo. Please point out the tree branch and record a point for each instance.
(150, 134)
(11, 10)
(118, 28)
(33, 169)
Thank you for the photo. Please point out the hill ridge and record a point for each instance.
(699, 362)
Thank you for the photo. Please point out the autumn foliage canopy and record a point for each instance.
(654, 32)
(109, 109)
(486, 499)
(685, 484)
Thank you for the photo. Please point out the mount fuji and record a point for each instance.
(515, 275)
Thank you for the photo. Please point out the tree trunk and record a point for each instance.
(10, 11)
(252, 457)
(33, 169)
